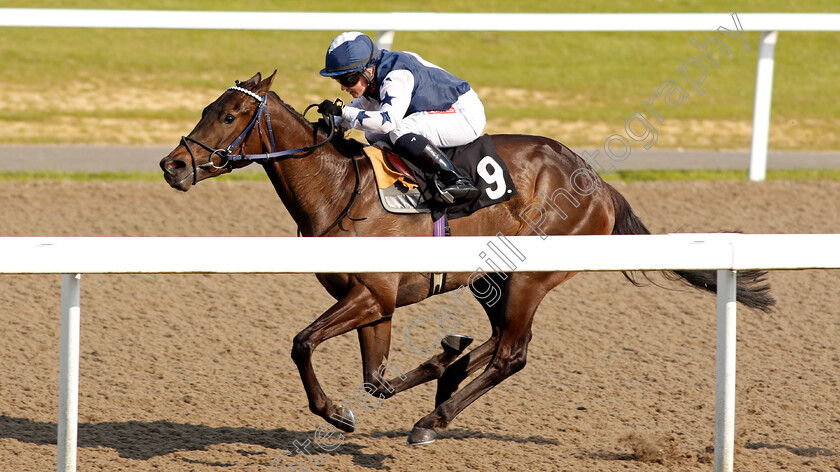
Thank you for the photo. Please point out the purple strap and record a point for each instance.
(440, 226)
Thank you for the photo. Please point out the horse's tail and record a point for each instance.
(753, 290)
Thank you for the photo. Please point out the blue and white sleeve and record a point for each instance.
(384, 117)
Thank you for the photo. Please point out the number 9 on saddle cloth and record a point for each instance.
(478, 160)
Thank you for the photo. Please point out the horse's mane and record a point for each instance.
(347, 147)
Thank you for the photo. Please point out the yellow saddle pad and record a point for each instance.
(386, 175)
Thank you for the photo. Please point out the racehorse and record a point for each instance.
(314, 175)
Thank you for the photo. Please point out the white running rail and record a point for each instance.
(725, 253)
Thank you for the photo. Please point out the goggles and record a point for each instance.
(349, 80)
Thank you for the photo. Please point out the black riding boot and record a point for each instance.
(452, 186)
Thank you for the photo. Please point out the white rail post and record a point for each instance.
(68, 387)
(761, 107)
(725, 372)
(384, 39)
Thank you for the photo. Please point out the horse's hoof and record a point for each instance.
(420, 436)
(456, 342)
(343, 419)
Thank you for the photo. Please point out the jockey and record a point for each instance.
(413, 104)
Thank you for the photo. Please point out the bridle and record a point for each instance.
(228, 157)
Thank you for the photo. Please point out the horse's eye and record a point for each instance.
(228, 118)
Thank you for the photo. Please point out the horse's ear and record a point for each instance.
(265, 85)
(254, 80)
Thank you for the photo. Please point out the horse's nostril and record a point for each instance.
(175, 165)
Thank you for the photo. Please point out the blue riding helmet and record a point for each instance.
(349, 52)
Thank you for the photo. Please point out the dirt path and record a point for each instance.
(192, 372)
(146, 159)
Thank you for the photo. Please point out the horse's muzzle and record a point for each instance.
(177, 172)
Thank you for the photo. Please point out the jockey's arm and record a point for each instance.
(385, 116)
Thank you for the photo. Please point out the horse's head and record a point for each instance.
(224, 126)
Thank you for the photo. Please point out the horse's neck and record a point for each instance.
(313, 188)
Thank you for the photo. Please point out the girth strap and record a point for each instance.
(438, 279)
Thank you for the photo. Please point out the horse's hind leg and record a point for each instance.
(431, 369)
(477, 358)
(521, 297)
(465, 366)
(441, 364)
(375, 342)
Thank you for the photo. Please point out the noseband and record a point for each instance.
(226, 155)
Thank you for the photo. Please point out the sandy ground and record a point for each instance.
(147, 159)
(192, 372)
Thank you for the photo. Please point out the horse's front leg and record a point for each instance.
(375, 344)
(359, 307)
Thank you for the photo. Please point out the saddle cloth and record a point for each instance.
(397, 191)
(403, 192)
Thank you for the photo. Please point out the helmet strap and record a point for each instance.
(369, 75)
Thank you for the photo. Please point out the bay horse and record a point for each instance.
(315, 184)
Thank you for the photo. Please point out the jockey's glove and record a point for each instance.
(328, 107)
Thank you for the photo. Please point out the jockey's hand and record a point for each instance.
(328, 107)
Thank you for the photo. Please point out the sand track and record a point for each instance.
(192, 372)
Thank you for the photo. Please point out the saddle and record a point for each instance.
(405, 188)
(398, 189)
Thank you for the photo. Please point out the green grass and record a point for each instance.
(589, 77)
(628, 176)
(442, 5)
(646, 175)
